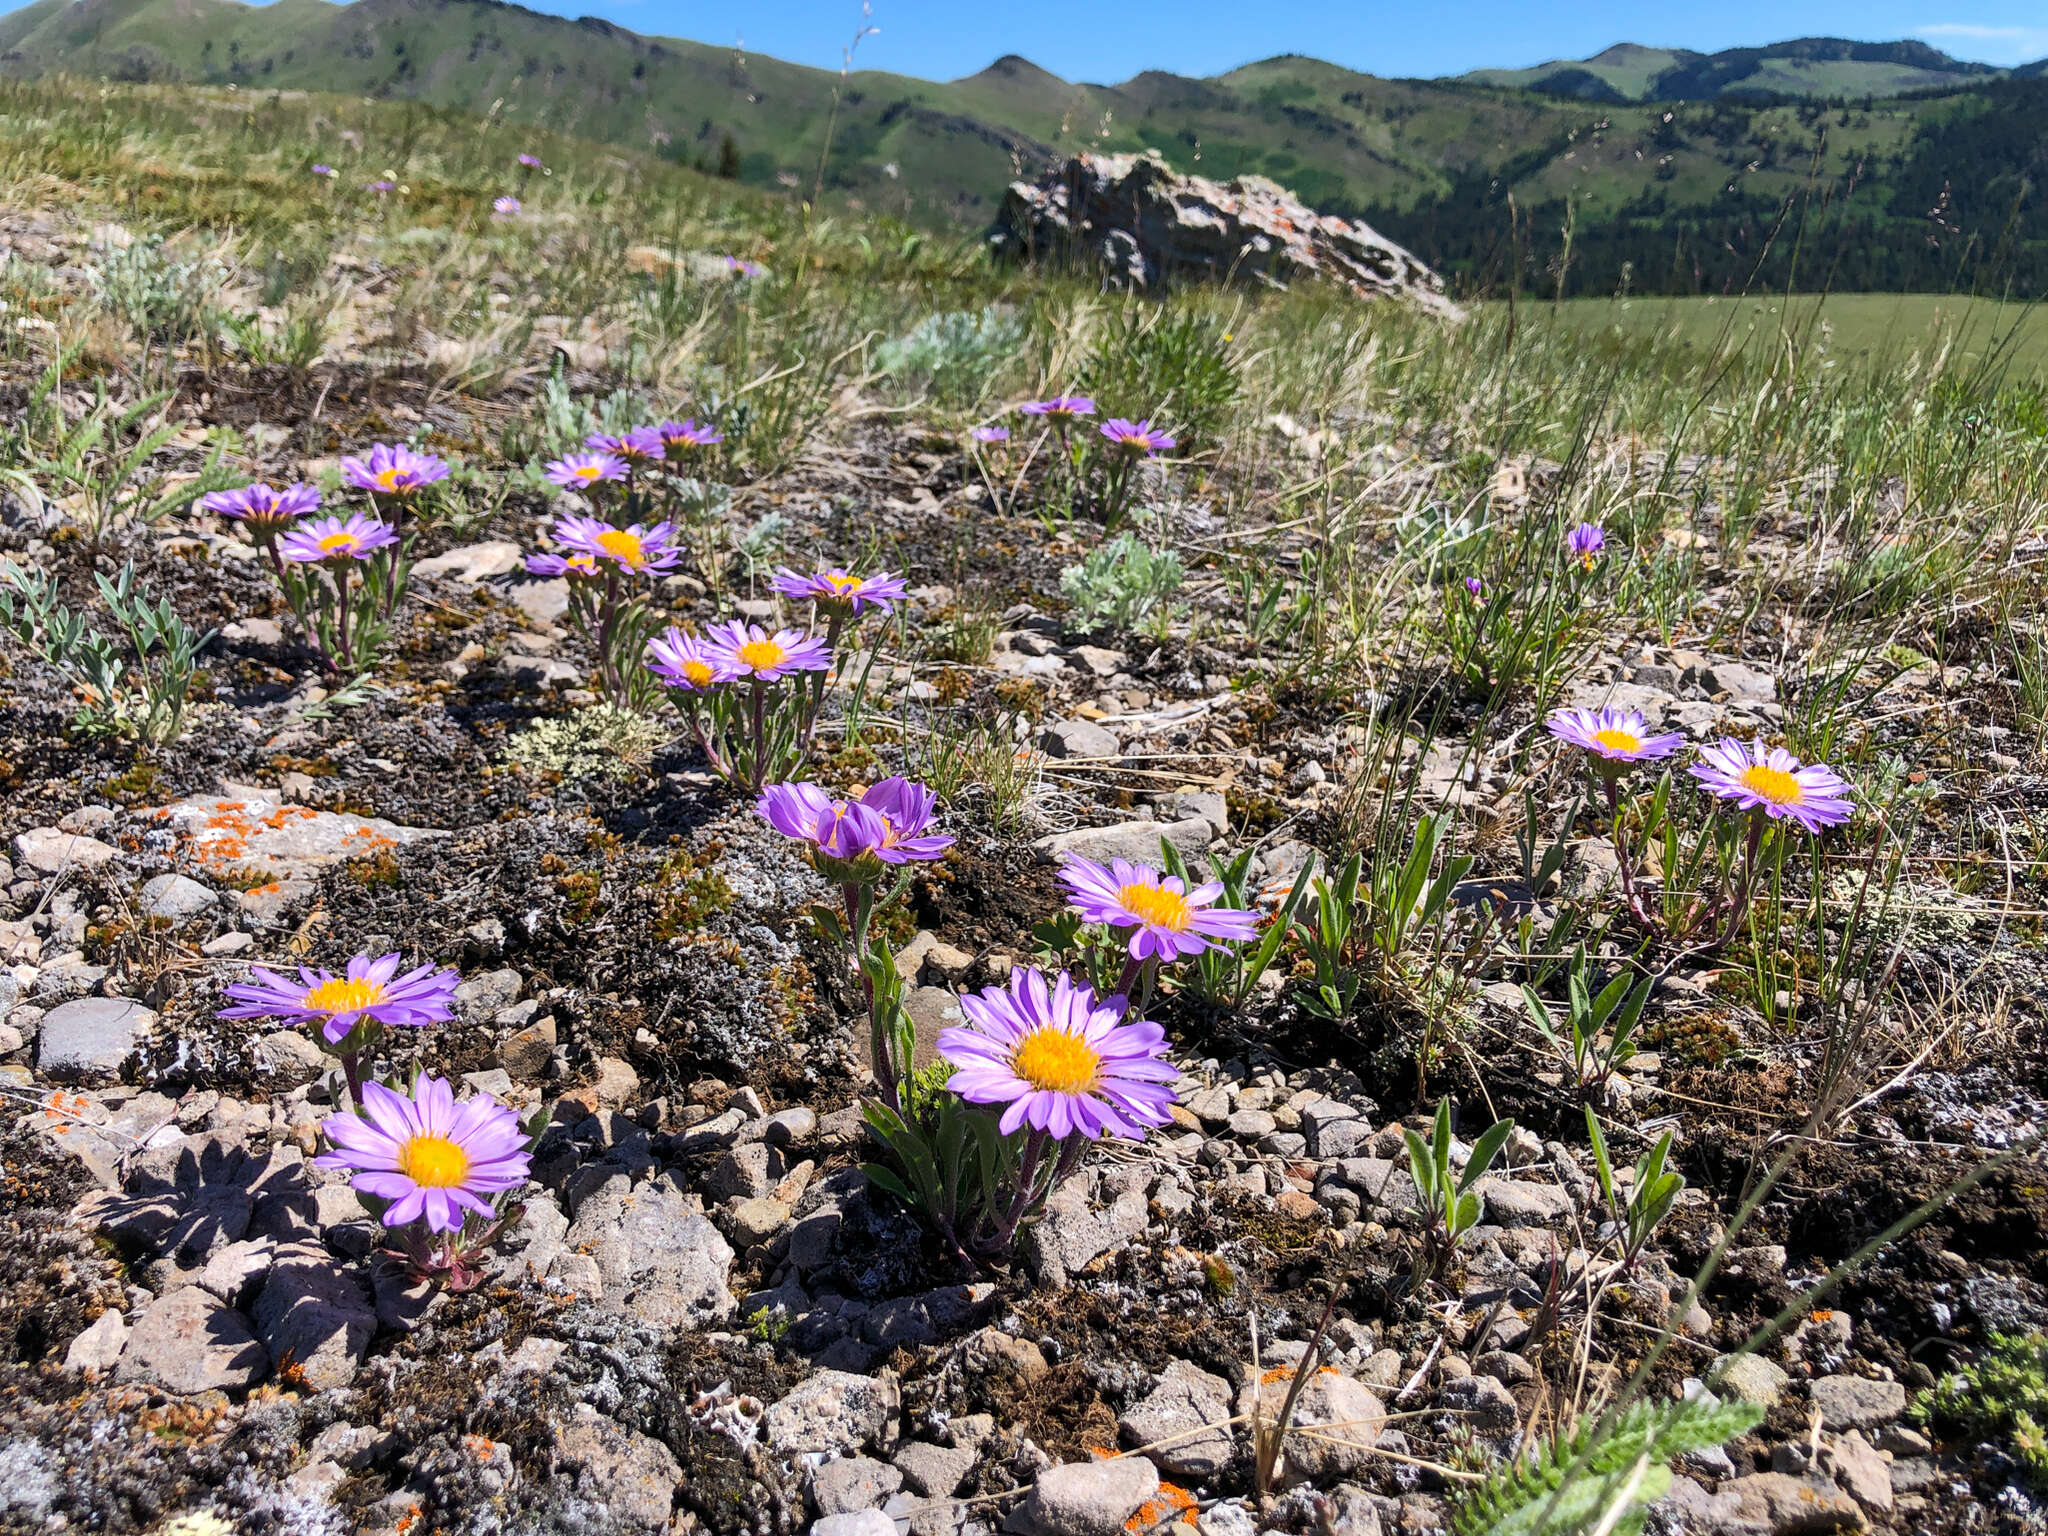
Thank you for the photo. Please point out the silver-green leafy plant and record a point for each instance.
(958, 357)
(103, 469)
(134, 686)
(1600, 1477)
(1599, 1032)
(1121, 582)
(1446, 1201)
(1650, 1197)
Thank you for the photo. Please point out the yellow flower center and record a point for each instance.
(336, 542)
(1156, 905)
(1619, 741)
(621, 546)
(434, 1162)
(581, 563)
(698, 672)
(1056, 1061)
(387, 479)
(589, 471)
(1774, 784)
(843, 584)
(762, 655)
(343, 994)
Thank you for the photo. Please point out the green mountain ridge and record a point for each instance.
(1900, 184)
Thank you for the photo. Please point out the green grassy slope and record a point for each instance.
(1807, 66)
(1899, 193)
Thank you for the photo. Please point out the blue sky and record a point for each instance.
(1108, 40)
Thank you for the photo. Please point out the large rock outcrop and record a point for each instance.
(1147, 225)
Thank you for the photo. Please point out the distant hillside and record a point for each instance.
(1891, 192)
(1806, 66)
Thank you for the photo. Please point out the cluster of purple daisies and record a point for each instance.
(610, 459)
(434, 1161)
(1055, 1058)
(282, 522)
(1754, 777)
(1136, 439)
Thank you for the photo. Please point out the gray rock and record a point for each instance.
(1484, 1403)
(254, 832)
(1857, 1402)
(187, 1341)
(1138, 220)
(747, 1172)
(1349, 1417)
(833, 1411)
(632, 1476)
(1136, 842)
(864, 1522)
(316, 1314)
(1863, 1471)
(176, 898)
(1072, 1232)
(1788, 1505)
(1086, 1498)
(936, 1471)
(931, 1010)
(48, 851)
(1516, 1203)
(1749, 1377)
(99, 1347)
(472, 563)
(659, 1257)
(89, 1039)
(1747, 684)
(850, 1483)
(1183, 1424)
(1080, 738)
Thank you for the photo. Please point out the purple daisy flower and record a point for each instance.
(507, 205)
(1060, 408)
(383, 185)
(584, 471)
(747, 650)
(428, 1155)
(531, 162)
(577, 567)
(835, 589)
(638, 549)
(905, 810)
(368, 989)
(1062, 1062)
(682, 661)
(393, 469)
(1586, 541)
(1140, 439)
(264, 510)
(991, 434)
(843, 831)
(1772, 780)
(1618, 737)
(680, 436)
(642, 445)
(739, 267)
(325, 172)
(1475, 586)
(320, 539)
(1168, 921)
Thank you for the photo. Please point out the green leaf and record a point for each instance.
(1484, 1151)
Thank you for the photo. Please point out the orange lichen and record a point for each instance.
(1169, 1504)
